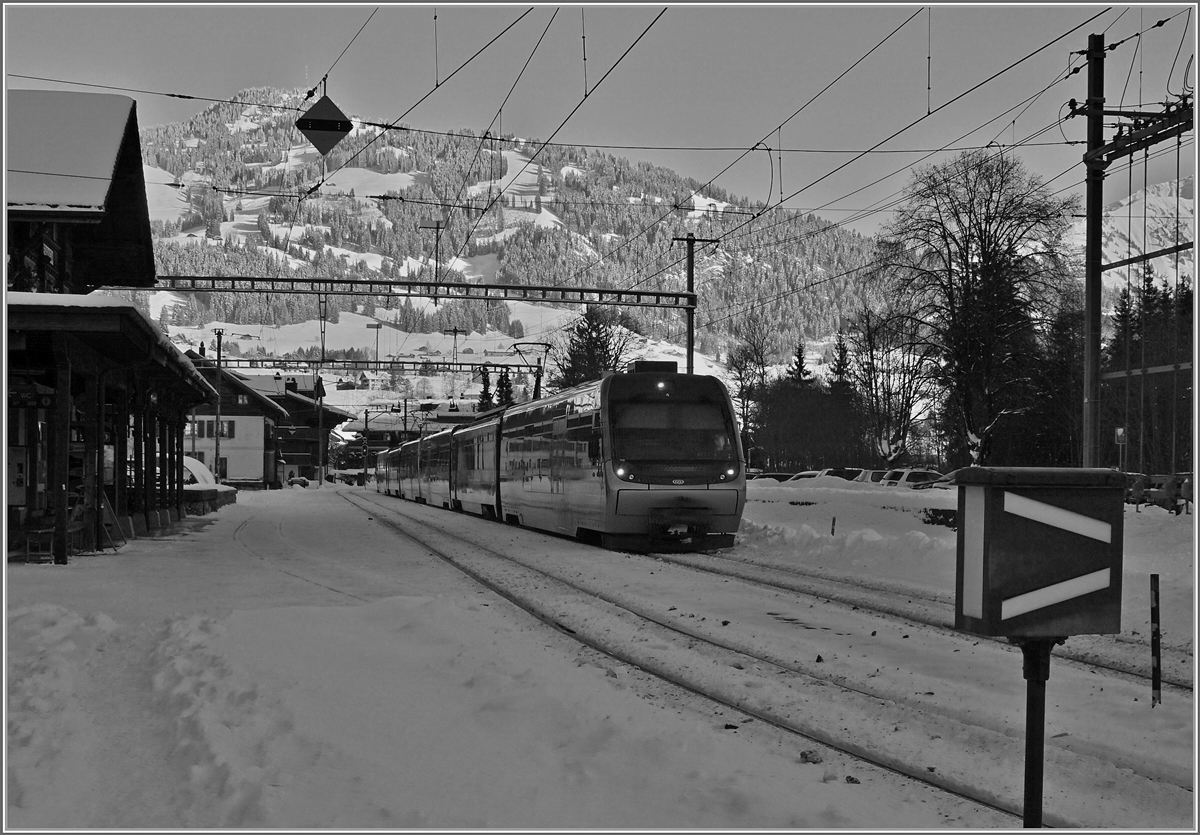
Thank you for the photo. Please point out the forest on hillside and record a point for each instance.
(619, 222)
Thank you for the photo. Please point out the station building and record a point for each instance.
(98, 397)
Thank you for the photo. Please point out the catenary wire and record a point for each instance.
(940, 107)
(744, 153)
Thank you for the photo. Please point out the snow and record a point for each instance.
(233, 675)
(164, 201)
(43, 133)
(366, 182)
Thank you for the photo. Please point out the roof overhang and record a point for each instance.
(113, 328)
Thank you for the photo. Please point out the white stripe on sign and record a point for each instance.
(1057, 593)
(1048, 514)
(972, 598)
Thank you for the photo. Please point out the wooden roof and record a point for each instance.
(114, 328)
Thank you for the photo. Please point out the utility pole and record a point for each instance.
(1148, 128)
(454, 332)
(537, 374)
(437, 249)
(1093, 250)
(691, 241)
(217, 435)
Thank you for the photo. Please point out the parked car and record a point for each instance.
(871, 476)
(776, 476)
(804, 475)
(1167, 491)
(297, 480)
(848, 473)
(946, 482)
(909, 477)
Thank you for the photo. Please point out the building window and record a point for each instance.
(243, 400)
(207, 429)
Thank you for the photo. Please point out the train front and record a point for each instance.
(674, 467)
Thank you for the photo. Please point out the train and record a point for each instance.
(647, 460)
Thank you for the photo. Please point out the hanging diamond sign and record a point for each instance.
(324, 125)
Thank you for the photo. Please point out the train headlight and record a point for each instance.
(621, 472)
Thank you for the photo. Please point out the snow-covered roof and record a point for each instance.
(240, 383)
(75, 158)
(63, 148)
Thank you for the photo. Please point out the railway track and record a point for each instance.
(731, 663)
(1111, 653)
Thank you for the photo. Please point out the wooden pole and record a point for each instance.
(1155, 644)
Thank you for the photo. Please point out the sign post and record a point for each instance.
(1039, 559)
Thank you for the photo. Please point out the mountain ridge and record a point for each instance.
(574, 215)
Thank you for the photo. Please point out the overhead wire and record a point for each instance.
(897, 133)
(312, 92)
(950, 146)
(745, 153)
(1178, 52)
(352, 40)
(809, 286)
(575, 109)
(421, 100)
(728, 233)
(894, 202)
(793, 291)
(484, 138)
(487, 207)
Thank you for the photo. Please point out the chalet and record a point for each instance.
(246, 434)
(98, 397)
(303, 437)
(373, 380)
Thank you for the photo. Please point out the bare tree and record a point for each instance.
(979, 251)
(890, 367)
(747, 362)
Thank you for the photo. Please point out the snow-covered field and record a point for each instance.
(282, 664)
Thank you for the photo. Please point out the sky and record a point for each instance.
(749, 97)
(282, 664)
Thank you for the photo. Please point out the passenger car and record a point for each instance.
(871, 476)
(805, 474)
(776, 476)
(297, 479)
(909, 477)
(848, 473)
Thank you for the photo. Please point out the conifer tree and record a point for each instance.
(504, 389)
(485, 396)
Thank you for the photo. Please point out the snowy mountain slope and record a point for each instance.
(1147, 221)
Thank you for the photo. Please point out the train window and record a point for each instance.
(671, 431)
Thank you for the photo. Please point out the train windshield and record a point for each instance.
(662, 428)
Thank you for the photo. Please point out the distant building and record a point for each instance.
(303, 437)
(249, 430)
